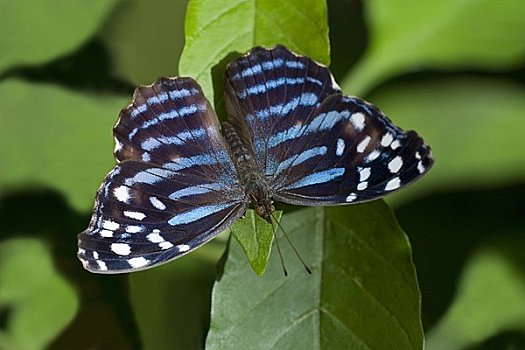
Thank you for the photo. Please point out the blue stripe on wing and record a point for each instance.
(274, 84)
(320, 177)
(269, 63)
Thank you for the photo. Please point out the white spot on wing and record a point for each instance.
(137, 215)
(183, 248)
(155, 238)
(393, 184)
(358, 121)
(157, 203)
(118, 145)
(106, 233)
(95, 254)
(146, 157)
(395, 144)
(121, 248)
(122, 194)
(110, 225)
(101, 265)
(395, 164)
(134, 229)
(373, 155)
(351, 197)
(420, 167)
(362, 145)
(387, 139)
(364, 174)
(362, 185)
(340, 147)
(165, 245)
(138, 262)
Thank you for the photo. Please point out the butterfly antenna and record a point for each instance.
(291, 244)
(279, 250)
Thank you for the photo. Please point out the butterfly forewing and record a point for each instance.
(270, 90)
(171, 122)
(173, 189)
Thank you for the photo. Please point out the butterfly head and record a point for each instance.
(264, 209)
(262, 203)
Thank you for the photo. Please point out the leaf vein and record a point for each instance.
(381, 305)
(389, 263)
(343, 325)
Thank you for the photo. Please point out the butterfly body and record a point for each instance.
(250, 175)
(291, 136)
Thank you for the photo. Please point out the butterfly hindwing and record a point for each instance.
(173, 189)
(146, 215)
(348, 151)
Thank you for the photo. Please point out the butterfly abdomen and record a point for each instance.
(250, 176)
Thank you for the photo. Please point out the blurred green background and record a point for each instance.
(453, 70)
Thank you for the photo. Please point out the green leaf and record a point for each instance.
(256, 237)
(145, 39)
(217, 28)
(443, 34)
(363, 292)
(172, 302)
(474, 127)
(56, 137)
(37, 31)
(41, 302)
(489, 298)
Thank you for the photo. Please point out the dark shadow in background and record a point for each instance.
(446, 228)
(516, 76)
(348, 35)
(87, 69)
(217, 74)
(105, 319)
(505, 340)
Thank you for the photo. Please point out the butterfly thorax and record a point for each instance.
(250, 176)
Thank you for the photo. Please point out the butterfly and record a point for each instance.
(291, 136)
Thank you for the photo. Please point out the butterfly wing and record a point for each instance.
(174, 188)
(316, 146)
(270, 90)
(347, 152)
